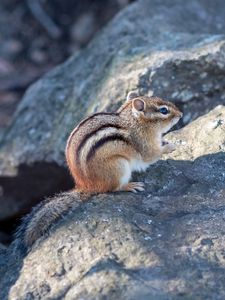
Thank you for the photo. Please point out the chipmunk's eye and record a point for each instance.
(164, 110)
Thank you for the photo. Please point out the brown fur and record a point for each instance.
(99, 145)
(101, 153)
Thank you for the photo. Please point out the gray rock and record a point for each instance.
(165, 243)
(3, 252)
(170, 48)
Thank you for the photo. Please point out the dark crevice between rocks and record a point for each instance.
(32, 184)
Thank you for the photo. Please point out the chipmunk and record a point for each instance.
(103, 151)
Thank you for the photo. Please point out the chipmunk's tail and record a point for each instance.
(38, 222)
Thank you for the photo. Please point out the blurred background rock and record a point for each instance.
(36, 35)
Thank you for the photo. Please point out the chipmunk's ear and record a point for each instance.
(138, 106)
(131, 95)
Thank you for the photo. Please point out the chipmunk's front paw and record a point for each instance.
(168, 147)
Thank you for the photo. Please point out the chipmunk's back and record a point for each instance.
(90, 135)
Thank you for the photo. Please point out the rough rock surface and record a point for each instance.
(166, 243)
(173, 48)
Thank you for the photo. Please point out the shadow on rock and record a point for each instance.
(25, 189)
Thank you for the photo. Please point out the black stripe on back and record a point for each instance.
(94, 115)
(101, 142)
(87, 119)
(89, 135)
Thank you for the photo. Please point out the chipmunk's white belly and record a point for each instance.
(129, 166)
(126, 173)
(138, 165)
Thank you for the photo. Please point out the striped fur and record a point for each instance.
(100, 143)
(83, 122)
(94, 133)
(103, 141)
(94, 115)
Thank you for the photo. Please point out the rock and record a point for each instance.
(2, 259)
(165, 243)
(84, 28)
(2, 248)
(175, 50)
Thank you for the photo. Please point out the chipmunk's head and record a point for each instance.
(162, 114)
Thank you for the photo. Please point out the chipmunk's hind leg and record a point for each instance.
(112, 176)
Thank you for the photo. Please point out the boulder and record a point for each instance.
(164, 243)
(3, 252)
(174, 49)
